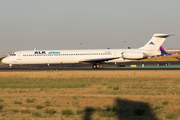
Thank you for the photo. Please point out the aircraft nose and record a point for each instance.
(4, 61)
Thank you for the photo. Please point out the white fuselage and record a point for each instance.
(67, 56)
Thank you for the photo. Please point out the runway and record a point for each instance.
(157, 65)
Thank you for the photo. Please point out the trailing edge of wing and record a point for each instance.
(97, 60)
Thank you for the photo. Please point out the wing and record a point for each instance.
(97, 60)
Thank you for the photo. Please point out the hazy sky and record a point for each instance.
(63, 24)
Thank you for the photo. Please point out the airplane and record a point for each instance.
(91, 56)
(164, 53)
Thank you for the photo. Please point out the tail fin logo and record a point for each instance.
(151, 43)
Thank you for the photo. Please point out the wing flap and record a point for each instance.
(98, 60)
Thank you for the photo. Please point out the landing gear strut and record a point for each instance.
(96, 66)
(10, 66)
(48, 64)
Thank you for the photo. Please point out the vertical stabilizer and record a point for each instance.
(155, 42)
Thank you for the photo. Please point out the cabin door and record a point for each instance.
(115, 55)
(18, 56)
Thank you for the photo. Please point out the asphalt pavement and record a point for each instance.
(155, 65)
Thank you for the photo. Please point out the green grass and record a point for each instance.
(112, 108)
(173, 115)
(116, 87)
(1, 100)
(30, 100)
(108, 114)
(25, 111)
(74, 97)
(21, 91)
(67, 112)
(136, 85)
(49, 111)
(1, 107)
(158, 108)
(142, 86)
(18, 82)
(17, 102)
(36, 114)
(78, 112)
(47, 103)
(14, 110)
(165, 103)
(39, 107)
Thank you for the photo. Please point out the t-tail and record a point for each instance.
(163, 51)
(155, 42)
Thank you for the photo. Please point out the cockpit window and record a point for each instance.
(12, 54)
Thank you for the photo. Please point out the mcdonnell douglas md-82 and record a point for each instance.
(92, 56)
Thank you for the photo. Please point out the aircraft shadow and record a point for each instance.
(178, 58)
(125, 110)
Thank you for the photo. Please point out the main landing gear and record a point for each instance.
(96, 66)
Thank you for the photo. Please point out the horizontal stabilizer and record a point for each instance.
(163, 35)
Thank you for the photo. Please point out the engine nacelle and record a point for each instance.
(134, 55)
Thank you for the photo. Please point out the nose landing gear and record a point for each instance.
(10, 66)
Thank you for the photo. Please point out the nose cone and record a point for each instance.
(4, 61)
